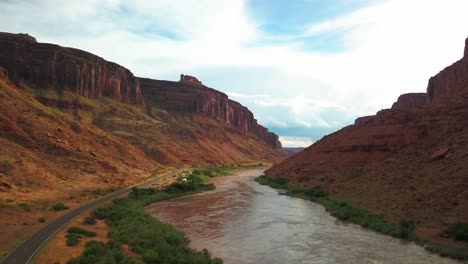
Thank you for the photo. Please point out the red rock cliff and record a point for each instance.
(410, 101)
(450, 80)
(41, 65)
(407, 160)
(189, 79)
(181, 97)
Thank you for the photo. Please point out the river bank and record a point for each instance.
(402, 229)
(244, 222)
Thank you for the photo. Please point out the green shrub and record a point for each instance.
(459, 231)
(275, 182)
(100, 213)
(80, 231)
(25, 207)
(59, 207)
(72, 239)
(41, 219)
(9, 200)
(89, 220)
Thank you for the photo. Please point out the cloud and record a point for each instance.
(388, 47)
(295, 142)
(239, 95)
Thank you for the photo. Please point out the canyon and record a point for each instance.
(72, 123)
(405, 162)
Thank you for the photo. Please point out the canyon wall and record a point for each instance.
(183, 97)
(450, 80)
(410, 100)
(43, 66)
(408, 161)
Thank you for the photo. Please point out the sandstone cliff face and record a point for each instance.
(205, 101)
(409, 161)
(45, 66)
(410, 101)
(451, 80)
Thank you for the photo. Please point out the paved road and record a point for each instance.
(26, 250)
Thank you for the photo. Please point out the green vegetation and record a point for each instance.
(72, 239)
(41, 219)
(59, 207)
(100, 192)
(152, 240)
(342, 210)
(75, 234)
(9, 200)
(403, 229)
(225, 170)
(25, 207)
(459, 231)
(80, 231)
(89, 220)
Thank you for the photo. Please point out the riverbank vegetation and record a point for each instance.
(403, 229)
(225, 170)
(147, 239)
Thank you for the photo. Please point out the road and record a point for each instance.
(23, 253)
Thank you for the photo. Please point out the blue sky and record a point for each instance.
(304, 67)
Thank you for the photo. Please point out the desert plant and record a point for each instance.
(41, 219)
(89, 220)
(80, 231)
(72, 239)
(25, 207)
(59, 207)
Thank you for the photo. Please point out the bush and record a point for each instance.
(100, 213)
(25, 207)
(459, 231)
(81, 231)
(41, 219)
(72, 239)
(59, 207)
(89, 221)
(275, 182)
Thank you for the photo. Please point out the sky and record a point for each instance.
(305, 68)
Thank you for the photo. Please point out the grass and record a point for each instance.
(403, 229)
(59, 207)
(152, 240)
(25, 207)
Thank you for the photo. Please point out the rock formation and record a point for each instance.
(189, 79)
(410, 101)
(43, 66)
(451, 80)
(180, 97)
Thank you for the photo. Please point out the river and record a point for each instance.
(244, 222)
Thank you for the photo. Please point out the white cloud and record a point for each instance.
(295, 142)
(240, 95)
(390, 47)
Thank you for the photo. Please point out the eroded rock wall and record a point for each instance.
(181, 97)
(44, 66)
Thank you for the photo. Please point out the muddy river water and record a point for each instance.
(244, 222)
